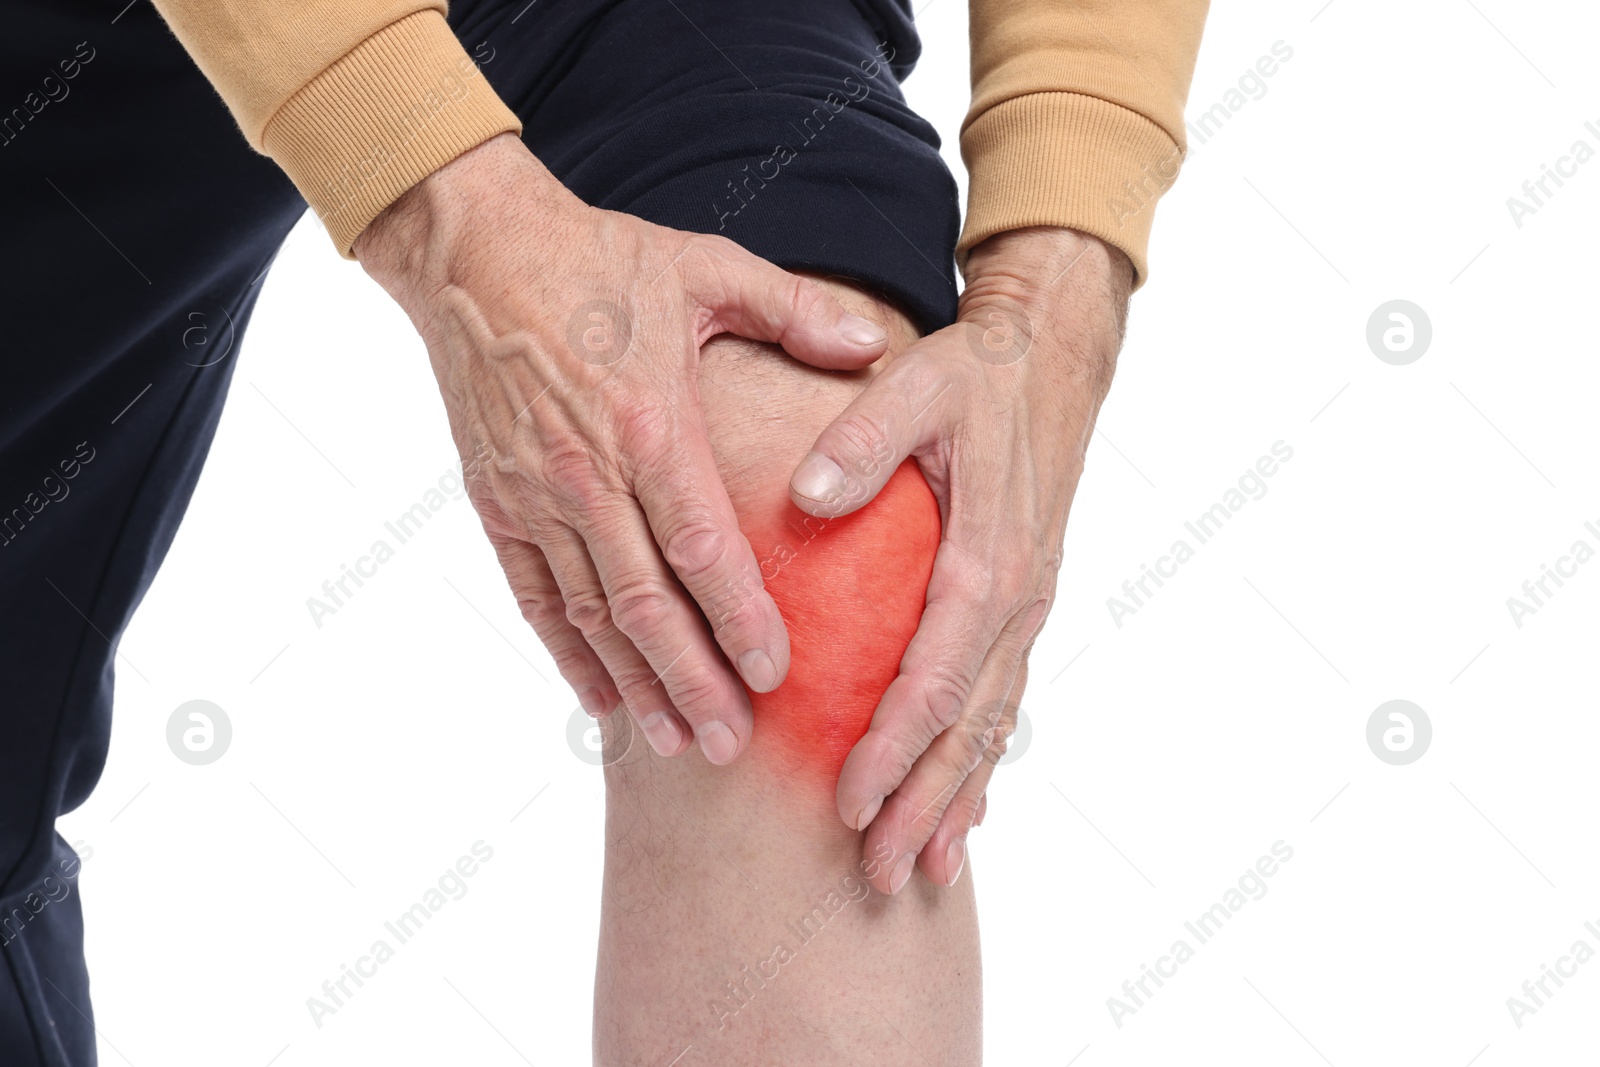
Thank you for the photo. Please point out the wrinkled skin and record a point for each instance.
(565, 340)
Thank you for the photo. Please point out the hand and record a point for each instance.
(566, 342)
(997, 409)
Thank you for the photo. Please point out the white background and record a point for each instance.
(1167, 754)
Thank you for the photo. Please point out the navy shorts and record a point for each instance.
(130, 200)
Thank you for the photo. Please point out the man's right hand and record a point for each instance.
(566, 341)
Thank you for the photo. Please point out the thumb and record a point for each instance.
(751, 297)
(902, 411)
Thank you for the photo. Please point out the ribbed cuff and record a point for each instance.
(1065, 159)
(396, 108)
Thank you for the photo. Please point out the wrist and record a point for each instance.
(1039, 266)
(1054, 297)
(414, 243)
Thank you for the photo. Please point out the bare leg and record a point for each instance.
(737, 926)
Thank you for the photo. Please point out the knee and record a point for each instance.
(851, 591)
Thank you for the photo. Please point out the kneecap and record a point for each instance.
(851, 591)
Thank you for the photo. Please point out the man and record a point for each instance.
(133, 206)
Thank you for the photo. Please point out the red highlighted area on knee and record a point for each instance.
(851, 591)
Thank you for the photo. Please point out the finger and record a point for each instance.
(959, 627)
(588, 611)
(645, 602)
(540, 601)
(907, 821)
(903, 410)
(693, 521)
(748, 296)
(945, 854)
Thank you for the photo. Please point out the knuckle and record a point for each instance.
(589, 612)
(635, 683)
(899, 755)
(711, 257)
(696, 549)
(963, 809)
(997, 751)
(695, 693)
(967, 574)
(1002, 730)
(999, 739)
(545, 614)
(570, 660)
(926, 809)
(569, 463)
(1018, 580)
(642, 432)
(977, 742)
(706, 244)
(809, 299)
(965, 745)
(946, 694)
(735, 605)
(1033, 616)
(861, 436)
(640, 610)
(545, 529)
(717, 251)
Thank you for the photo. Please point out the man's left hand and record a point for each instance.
(997, 409)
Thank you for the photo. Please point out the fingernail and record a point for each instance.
(757, 669)
(901, 872)
(717, 742)
(863, 332)
(818, 478)
(662, 733)
(955, 858)
(868, 812)
(592, 702)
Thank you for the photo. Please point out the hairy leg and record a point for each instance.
(738, 926)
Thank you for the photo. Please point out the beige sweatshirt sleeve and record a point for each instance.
(357, 100)
(1077, 115)
(1076, 118)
